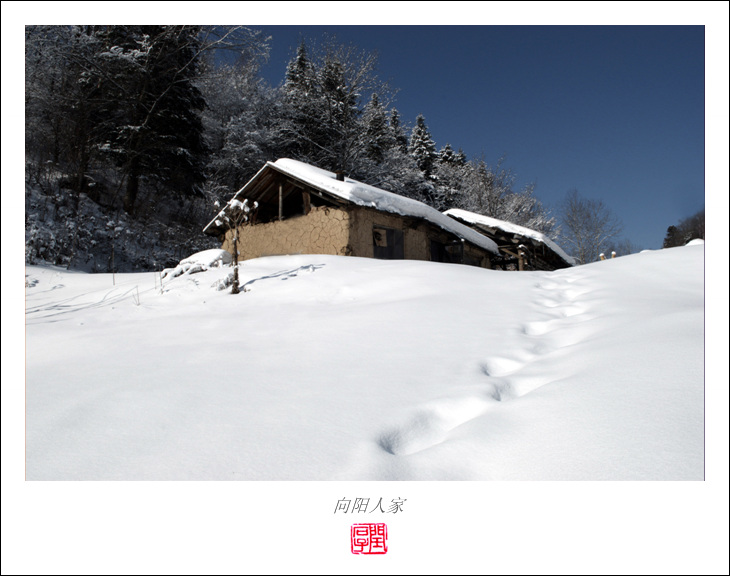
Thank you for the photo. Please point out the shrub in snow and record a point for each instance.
(70, 230)
(199, 262)
(223, 283)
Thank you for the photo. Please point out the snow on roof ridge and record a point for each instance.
(372, 197)
(509, 227)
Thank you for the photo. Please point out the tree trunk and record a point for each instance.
(234, 289)
(130, 197)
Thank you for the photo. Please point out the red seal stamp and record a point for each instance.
(369, 538)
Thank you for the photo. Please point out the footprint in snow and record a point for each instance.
(431, 424)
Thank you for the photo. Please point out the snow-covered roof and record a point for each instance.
(510, 228)
(372, 197)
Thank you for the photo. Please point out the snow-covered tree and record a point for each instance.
(447, 155)
(339, 100)
(153, 129)
(448, 178)
(398, 173)
(422, 147)
(449, 173)
(62, 100)
(377, 136)
(524, 209)
(322, 108)
(240, 126)
(397, 130)
(300, 113)
(489, 191)
(299, 79)
(126, 96)
(234, 215)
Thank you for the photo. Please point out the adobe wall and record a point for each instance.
(339, 232)
(323, 231)
(416, 245)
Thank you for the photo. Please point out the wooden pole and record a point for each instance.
(281, 202)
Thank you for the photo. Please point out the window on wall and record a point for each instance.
(387, 243)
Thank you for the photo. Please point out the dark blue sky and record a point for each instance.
(616, 112)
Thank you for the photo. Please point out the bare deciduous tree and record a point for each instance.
(588, 226)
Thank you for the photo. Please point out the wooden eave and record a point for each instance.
(264, 189)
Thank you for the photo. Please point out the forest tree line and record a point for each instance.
(686, 230)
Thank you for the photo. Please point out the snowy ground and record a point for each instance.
(335, 368)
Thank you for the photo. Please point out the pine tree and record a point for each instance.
(447, 155)
(299, 74)
(686, 230)
(673, 238)
(339, 129)
(300, 116)
(448, 175)
(154, 129)
(378, 138)
(396, 129)
(422, 147)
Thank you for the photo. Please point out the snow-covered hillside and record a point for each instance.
(337, 368)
